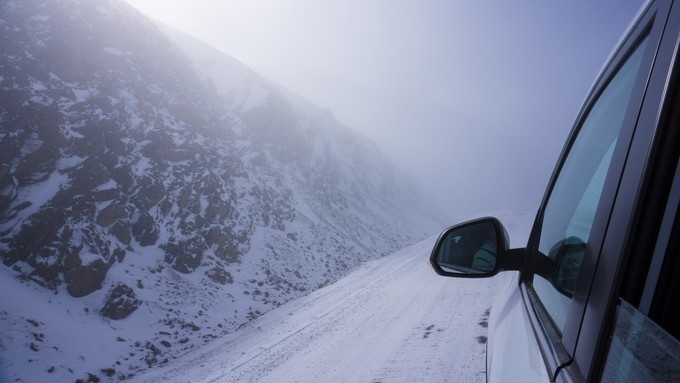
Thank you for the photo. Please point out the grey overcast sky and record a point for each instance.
(473, 97)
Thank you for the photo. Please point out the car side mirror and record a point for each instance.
(474, 249)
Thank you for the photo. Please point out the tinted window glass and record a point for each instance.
(570, 210)
(640, 350)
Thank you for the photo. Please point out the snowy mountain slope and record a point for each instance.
(313, 147)
(240, 87)
(158, 207)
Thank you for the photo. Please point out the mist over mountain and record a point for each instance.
(156, 193)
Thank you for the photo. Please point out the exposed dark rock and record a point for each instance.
(108, 371)
(110, 214)
(121, 230)
(219, 275)
(82, 280)
(186, 255)
(145, 229)
(121, 301)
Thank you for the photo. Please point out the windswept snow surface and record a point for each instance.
(392, 320)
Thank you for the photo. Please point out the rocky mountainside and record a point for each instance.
(155, 193)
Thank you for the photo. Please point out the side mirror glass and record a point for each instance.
(470, 249)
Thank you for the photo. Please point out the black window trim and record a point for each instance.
(660, 250)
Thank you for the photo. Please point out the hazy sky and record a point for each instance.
(474, 98)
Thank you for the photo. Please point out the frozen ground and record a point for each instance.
(392, 320)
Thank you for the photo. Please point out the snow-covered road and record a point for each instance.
(392, 320)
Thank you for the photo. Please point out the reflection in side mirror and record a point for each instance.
(562, 265)
(568, 259)
(470, 249)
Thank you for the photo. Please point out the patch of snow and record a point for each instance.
(54, 77)
(38, 195)
(67, 131)
(114, 51)
(110, 184)
(87, 257)
(81, 94)
(31, 144)
(41, 18)
(35, 318)
(140, 168)
(69, 162)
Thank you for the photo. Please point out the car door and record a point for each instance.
(572, 241)
(631, 323)
(584, 230)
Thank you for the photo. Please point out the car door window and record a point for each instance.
(570, 210)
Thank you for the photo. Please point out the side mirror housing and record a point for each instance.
(474, 249)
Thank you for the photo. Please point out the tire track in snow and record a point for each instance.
(359, 295)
